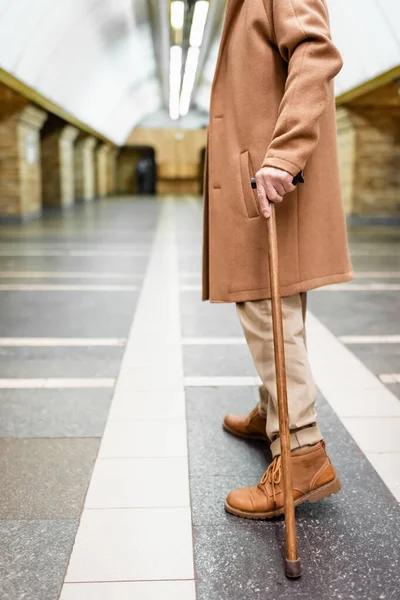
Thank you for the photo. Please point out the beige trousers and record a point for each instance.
(256, 319)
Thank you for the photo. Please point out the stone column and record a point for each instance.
(102, 159)
(20, 169)
(58, 167)
(85, 171)
(369, 145)
(112, 170)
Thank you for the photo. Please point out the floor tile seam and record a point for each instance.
(27, 287)
(149, 420)
(60, 520)
(132, 508)
(372, 417)
(107, 581)
(60, 342)
(100, 457)
(384, 453)
(49, 438)
(56, 387)
(332, 288)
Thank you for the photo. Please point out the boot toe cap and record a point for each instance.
(241, 500)
(230, 420)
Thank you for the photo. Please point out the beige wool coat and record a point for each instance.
(272, 104)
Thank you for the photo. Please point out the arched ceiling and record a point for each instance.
(93, 58)
(367, 33)
(106, 62)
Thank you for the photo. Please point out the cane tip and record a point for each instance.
(293, 568)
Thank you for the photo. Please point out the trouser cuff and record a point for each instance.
(307, 436)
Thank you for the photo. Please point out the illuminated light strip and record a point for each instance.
(192, 60)
(177, 14)
(189, 79)
(198, 23)
(175, 81)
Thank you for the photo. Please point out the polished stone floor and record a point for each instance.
(114, 378)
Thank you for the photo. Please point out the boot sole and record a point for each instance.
(244, 436)
(320, 493)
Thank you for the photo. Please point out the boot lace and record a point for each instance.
(273, 475)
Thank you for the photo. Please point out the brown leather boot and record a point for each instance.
(314, 478)
(251, 427)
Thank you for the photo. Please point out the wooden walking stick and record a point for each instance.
(292, 562)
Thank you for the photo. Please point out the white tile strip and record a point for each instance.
(369, 411)
(377, 275)
(348, 287)
(190, 288)
(139, 590)
(375, 252)
(152, 483)
(11, 342)
(48, 252)
(136, 524)
(390, 377)
(221, 381)
(361, 287)
(66, 275)
(388, 467)
(56, 383)
(130, 405)
(135, 544)
(370, 339)
(48, 287)
(147, 439)
(222, 341)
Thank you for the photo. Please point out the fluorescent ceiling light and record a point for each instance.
(175, 68)
(189, 78)
(198, 23)
(177, 14)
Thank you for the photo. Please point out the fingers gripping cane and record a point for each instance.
(292, 562)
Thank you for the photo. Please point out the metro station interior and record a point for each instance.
(114, 375)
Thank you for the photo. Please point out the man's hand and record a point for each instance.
(272, 185)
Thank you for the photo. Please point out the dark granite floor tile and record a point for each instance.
(60, 361)
(375, 315)
(243, 560)
(100, 264)
(356, 550)
(208, 494)
(379, 358)
(376, 280)
(202, 319)
(44, 478)
(34, 558)
(216, 453)
(211, 404)
(376, 262)
(54, 413)
(394, 388)
(218, 360)
(134, 280)
(67, 314)
(346, 542)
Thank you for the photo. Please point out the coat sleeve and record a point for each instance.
(301, 34)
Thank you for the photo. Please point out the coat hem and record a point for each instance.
(287, 290)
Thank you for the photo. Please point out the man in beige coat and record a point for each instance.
(272, 116)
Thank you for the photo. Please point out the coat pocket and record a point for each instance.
(249, 194)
